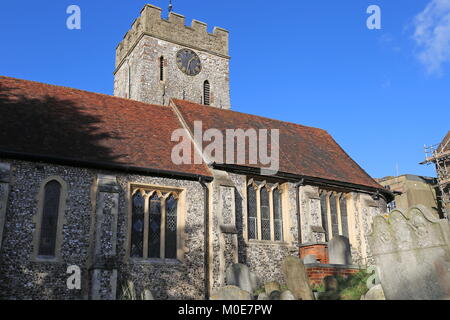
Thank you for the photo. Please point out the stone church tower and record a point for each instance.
(159, 59)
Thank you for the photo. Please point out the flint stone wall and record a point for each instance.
(21, 278)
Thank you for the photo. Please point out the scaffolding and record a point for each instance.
(439, 155)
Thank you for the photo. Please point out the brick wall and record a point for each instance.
(316, 272)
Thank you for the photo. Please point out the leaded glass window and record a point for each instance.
(265, 211)
(334, 215)
(324, 213)
(137, 226)
(344, 216)
(265, 214)
(49, 223)
(171, 228)
(252, 213)
(277, 215)
(154, 230)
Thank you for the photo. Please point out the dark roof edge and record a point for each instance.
(386, 194)
(104, 166)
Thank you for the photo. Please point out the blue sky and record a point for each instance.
(382, 94)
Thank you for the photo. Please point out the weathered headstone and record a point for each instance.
(271, 286)
(254, 281)
(330, 283)
(231, 293)
(296, 278)
(287, 295)
(412, 252)
(263, 296)
(376, 293)
(239, 275)
(310, 259)
(275, 295)
(339, 251)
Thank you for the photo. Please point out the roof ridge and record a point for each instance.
(79, 90)
(254, 115)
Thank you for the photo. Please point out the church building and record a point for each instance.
(88, 180)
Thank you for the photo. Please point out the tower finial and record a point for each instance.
(170, 6)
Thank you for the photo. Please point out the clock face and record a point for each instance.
(189, 62)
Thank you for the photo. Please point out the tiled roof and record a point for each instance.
(445, 144)
(55, 121)
(304, 150)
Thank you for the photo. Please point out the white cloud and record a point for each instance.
(432, 35)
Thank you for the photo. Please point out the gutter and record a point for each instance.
(206, 237)
(103, 166)
(386, 194)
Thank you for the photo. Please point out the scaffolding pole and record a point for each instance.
(440, 157)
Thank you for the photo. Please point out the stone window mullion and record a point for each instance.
(338, 209)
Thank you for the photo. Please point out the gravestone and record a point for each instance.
(287, 295)
(376, 293)
(330, 283)
(412, 252)
(339, 251)
(263, 296)
(239, 275)
(310, 259)
(275, 295)
(231, 293)
(271, 286)
(296, 278)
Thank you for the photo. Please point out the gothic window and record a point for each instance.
(161, 69)
(154, 226)
(252, 213)
(344, 216)
(334, 215)
(206, 93)
(324, 214)
(137, 226)
(334, 210)
(265, 215)
(277, 215)
(49, 223)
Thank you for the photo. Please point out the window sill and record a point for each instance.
(164, 262)
(268, 243)
(43, 259)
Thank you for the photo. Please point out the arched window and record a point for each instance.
(277, 215)
(324, 214)
(161, 69)
(137, 225)
(171, 228)
(265, 214)
(206, 93)
(154, 230)
(48, 230)
(252, 213)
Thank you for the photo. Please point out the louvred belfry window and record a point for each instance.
(265, 221)
(154, 226)
(49, 224)
(206, 93)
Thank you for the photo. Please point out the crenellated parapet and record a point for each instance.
(174, 30)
